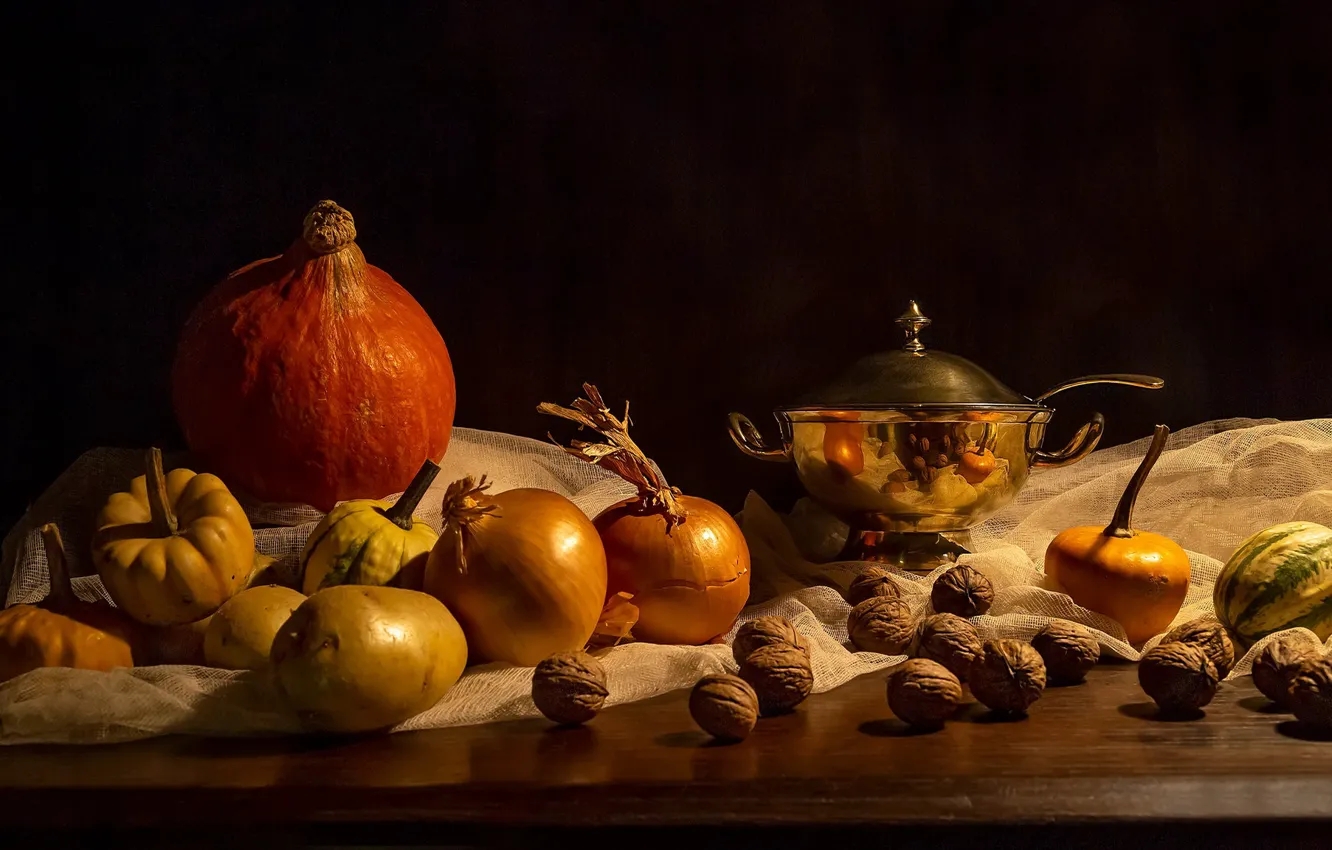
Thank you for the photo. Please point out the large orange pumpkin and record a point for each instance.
(314, 377)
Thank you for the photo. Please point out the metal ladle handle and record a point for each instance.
(1146, 382)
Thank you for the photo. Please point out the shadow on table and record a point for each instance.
(891, 727)
(1151, 712)
(689, 739)
(1262, 705)
(1303, 731)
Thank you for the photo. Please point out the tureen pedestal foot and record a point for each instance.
(913, 552)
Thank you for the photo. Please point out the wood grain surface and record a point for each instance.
(1093, 753)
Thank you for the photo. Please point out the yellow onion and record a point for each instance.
(524, 572)
(683, 559)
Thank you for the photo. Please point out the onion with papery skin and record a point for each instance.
(523, 571)
(683, 559)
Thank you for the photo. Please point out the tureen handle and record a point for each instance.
(1079, 447)
(749, 441)
(1147, 382)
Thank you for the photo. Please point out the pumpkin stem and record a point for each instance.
(328, 228)
(620, 454)
(62, 589)
(159, 506)
(1122, 523)
(401, 512)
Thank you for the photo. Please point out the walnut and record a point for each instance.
(923, 693)
(1068, 650)
(1210, 636)
(1311, 693)
(962, 591)
(780, 676)
(1179, 677)
(724, 706)
(569, 687)
(1008, 677)
(1277, 664)
(950, 640)
(764, 631)
(881, 624)
(875, 581)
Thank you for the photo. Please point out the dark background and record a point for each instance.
(703, 207)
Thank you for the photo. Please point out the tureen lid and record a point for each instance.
(914, 375)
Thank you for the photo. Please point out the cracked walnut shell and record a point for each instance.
(922, 693)
(949, 640)
(881, 624)
(724, 706)
(1008, 677)
(963, 591)
(1178, 677)
(1068, 649)
(766, 631)
(875, 581)
(569, 687)
(1311, 693)
(1210, 636)
(780, 675)
(1277, 664)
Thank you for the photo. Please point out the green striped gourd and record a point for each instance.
(1280, 578)
(367, 541)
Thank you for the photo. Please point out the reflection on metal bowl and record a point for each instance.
(911, 476)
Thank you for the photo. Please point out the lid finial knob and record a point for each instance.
(913, 322)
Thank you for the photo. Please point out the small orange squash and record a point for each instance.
(62, 630)
(1137, 578)
(174, 547)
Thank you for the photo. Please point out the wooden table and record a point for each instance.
(1092, 763)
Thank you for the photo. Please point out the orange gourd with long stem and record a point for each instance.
(1137, 578)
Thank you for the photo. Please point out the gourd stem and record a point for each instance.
(159, 505)
(328, 228)
(62, 589)
(1121, 525)
(401, 512)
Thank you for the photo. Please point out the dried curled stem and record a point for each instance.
(461, 509)
(620, 454)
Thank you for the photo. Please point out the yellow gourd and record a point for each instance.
(62, 630)
(174, 547)
(367, 541)
(1137, 578)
